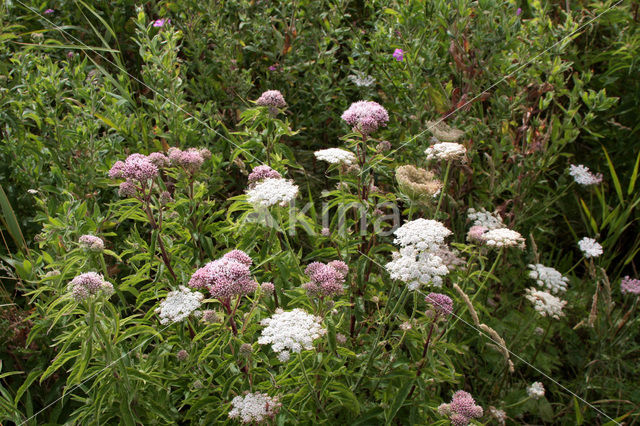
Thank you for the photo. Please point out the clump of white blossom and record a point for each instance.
(499, 415)
(443, 132)
(503, 237)
(336, 156)
(361, 79)
(269, 192)
(590, 247)
(548, 277)
(417, 262)
(582, 175)
(178, 305)
(254, 407)
(290, 331)
(446, 151)
(545, 303)
(91, 243)
(484, 218)
(536, 390)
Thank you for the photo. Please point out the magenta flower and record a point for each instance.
(263, 172)
(366, 116)
(442, 303)
(48, 11)
(226, 277)
(273, 68)
(160, 22)
(326, 280)
(398, 55)
(630, 286)
(518, 11)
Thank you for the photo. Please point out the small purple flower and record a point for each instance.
(398, 55)
(48, 11)
(518, 11)
(160, 22)
(273, 68)
(442, 303)
(263, 172)
(70, 55)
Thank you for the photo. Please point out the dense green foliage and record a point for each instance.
(535, 86)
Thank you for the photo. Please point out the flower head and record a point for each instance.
(136, 167)
(178, 305)
(254, 407)
(536, 390)
(582, 175)
(326, 279)
(91, 243)
(336, 156)
(485, 219)
(442, 303)
(290, 331)
(272, 191)
(548, 277)
(48, 11)
(398, 55)
(191, 159)
(442, 132)
(89, 284)
(366, 116)
(272, 99)
(160, 22)
(361, 79)
(226, 277)
(630, 286)
(263, 172)
(590, 247)
(421, 234)
(446, 151)
(461, 409)
(503, 237)
(416, 183)
(545, 303)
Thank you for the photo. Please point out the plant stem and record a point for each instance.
(535, 355)
(443, 190)
(424, 354)
(311, 389)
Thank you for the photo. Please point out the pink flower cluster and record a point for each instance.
(136, 167)
(630, 286)
(462, 409)
(366, 116)
(442, 303)
(91, 243)
(89, 284)
(326, 279)
(226, 277)
(191, 159)
(272, 99)
(263, 172)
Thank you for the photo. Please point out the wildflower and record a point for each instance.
(136, 167)
(442, 132)
(325, 232)
(405, 326)
(160, 22)
(263, 172)
(366, 116)
(326, 280)
(499, 415)
(210, 316)
(383, 146)
(485, 219)
(518, 11)
(536, 390)
(417, 183)
(422, 234)
(590, 247)
(226, 277)
(336, 156)
(441, 303)
(165, 198)
(272, 99)
(272, 191)
(416, 268)
(182, 355)
(273, 67)
(127, 189)
(539, 331)
(89, 284)
(450, 257)
(545, 303)
(360, 79)
(159, 159)
(503, 237)
(476, 234)
(629, 286)
(398, 55)
(446, 151)
(290, 331)
(246, 350)
(254, 407)
(191, 159)
(582, 175)
(70, 55)
(267, 288)
(48, 11)
(91, 243)
(461, 409)
(178, 305)
(32, 191)
(341, 338)
(548, 277)
(52, 273)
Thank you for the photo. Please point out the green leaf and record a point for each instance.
(614, 176)
(10, 221)
(579, 417)
(401, 396)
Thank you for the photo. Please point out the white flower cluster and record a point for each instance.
(417, 262)
(416, 268)
(484, 218)
(421, 234)
(272, 191)
(548, 277)
(499, 415)
(503, 237)
(254, 407)
(336, 156)
(536, 390)
(361, 79)
(446, 151)
(179, 304)
(582, 175)
(545, 303)
(590, 247)
(290, 331)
